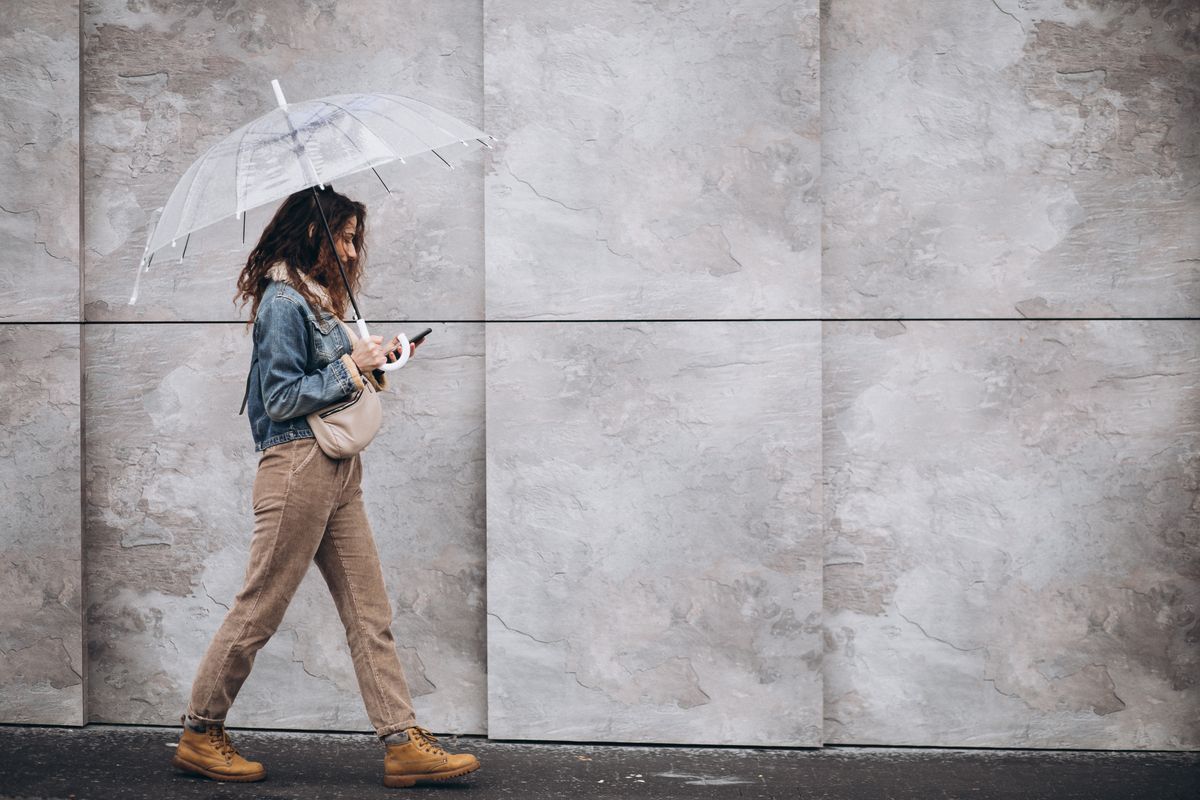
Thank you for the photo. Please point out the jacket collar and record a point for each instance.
(278, 272)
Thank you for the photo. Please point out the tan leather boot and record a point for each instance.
(213, 755)
(421, 760)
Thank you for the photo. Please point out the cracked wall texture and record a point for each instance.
(654, 532)
(169, 472)
(1012, 552)
(654, 160)
(1015, 158)
(41, 633)
(163, 81)
(41, 636)
(39, 162)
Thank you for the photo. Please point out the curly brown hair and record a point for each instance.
(296, 236)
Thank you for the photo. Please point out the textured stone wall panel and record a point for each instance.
(1012, 554)
(170, 468)
(41, 633)
(992, 158)
(39, 162)
(654, 532)
(164, 81)
(655, 160)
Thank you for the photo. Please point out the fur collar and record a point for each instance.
(279, 272)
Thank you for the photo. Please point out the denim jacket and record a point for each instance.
(301, 362)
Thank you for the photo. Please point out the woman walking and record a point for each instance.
(308, 506)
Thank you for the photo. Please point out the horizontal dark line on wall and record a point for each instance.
(528, 321)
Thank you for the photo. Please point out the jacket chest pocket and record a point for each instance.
(328, 338)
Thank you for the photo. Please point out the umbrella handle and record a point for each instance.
(405, 347)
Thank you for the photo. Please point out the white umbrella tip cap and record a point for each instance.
(278, 93)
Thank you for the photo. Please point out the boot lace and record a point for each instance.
(425, 740)
(221, 741)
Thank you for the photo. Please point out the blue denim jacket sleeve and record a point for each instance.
(281, 339)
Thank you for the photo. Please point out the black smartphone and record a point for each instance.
(414, 340)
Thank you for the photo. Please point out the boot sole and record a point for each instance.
(217, 776)
(403, 781)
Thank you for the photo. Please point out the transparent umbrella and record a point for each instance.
(305, 145)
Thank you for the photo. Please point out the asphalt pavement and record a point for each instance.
(107, 762)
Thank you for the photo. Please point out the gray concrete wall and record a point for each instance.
(661, 473)
(654, 532)
(41, 631)
(39, 151)
(653, 487)
(1012, 533)
(1012, 508)
(41, 627)
(1010, 159)
(655, 160)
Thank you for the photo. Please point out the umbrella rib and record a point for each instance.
(391, 99)
(268, 134)
(200, 164)
(410, 130)
(247, 132)
(162, 209)
(294, 134)
(427, 119)
(237, 184)
(385, 186)
(356, 147)
(189, 202)
(367, 128)
(350, 138)
(208, 151)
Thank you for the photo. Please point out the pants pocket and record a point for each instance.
(273, 475)
(303, 456)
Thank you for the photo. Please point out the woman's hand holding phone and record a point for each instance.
(393, 350)
(370, 354)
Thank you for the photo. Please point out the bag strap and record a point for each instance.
(253, 358)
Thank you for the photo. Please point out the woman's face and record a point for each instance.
(343, 240)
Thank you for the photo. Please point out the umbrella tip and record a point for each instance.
(278, 93)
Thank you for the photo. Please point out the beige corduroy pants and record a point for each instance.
(308, 507)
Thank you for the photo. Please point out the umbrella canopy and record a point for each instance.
(299, 145)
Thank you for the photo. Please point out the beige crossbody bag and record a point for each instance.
(346, 427)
